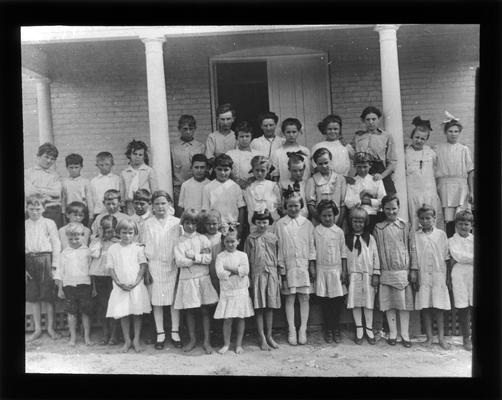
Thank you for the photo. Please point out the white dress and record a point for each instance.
(432, 251)
(260, 195)
(194, 286)
(421, 184)
(375, 188)
(462, 251)
(226, 197)
(330, 249)
(160, 237)
(340, 161)
(235, 301)
(125, 261)
(280, 159)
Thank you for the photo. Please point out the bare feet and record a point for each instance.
(190, 345)
(272, 342)
(53, 334)
(72, 342)
(125, 348)
(113, 341)
(223, 350)
(427, 343)
(137, 346)
(239, 350)
(88, 342)
(264, 345)
(444, 345)
(35, 335)
(207, 347)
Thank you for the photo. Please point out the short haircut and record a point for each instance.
(291, 121)
(111, 194)
(326, 205)
(295, 159)
(371, 110)
(142, 195)
(260, 160)
(190, 215)
(420, 129)
(49, 149)
(331, 118)
(464, 215)
(268, 115)
(36, 199)
(199, 158)
(388, 198)
(223, 160)
(359, 211)
(187, 119)
(294, 196)
(74, 207)
(126, 223)
(426, 208)
(74, 159)
(243, 126)
(108, 221)
(320, 152)
(362, 157)
(223, 108)
(74, 228)
(451, 123)
(104, 155)
(161, 193)
(137, 145)
(262, 216)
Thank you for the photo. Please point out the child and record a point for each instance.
(160, 234)
(460, 272)
(232, 267)
(42, 248)
(195, 291)
(331, 269)
(75, 187)
(421, 161)
(74, 282)
(42, 179)
(363, 267)
(331, 127)
(100, 276)
(211, 222)
(291, 128)
(325, 185)
(295, 183)
(296, 261)
(127, 264)
(432, 254)
(365, 191)
(223, 139)
(269, 141)
(75, 213)
(261, 248)
(223, 194)
(379, 145)
(262, 194)
(182, 152)
(105, 180)
(111, 201)
(191, 190)
(454, 173)
(138, 175)
(141, 201)
(242, 155)
(394, 248)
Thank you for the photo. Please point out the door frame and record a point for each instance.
(260, 54)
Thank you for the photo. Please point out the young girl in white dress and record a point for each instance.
(421, 162)
(432, 254)
(296, 262)
(194, 291)
(454, 173)
(296, 167)
(160, 233)
(363, 267)
(127, 264)
(232, 267)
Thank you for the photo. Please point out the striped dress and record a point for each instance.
(159, 237)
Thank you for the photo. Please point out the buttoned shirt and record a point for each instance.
(73, 268)
(379, 144)
(218, 143)
(146, 179)
(340, 160)
(75, 189)
(182, 153)
(99, 185)
(42, 236)
(44, 181)
(242, 162)
(266, 146)
(191, 194)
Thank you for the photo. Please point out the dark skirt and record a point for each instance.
(377, 167)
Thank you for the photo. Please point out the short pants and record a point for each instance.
(78, 299)
(41, 286)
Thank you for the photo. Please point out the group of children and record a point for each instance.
(228, 248)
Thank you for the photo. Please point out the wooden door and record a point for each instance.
(299, 87)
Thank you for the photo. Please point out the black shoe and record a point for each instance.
(392, 342)
(159, 345)
(370, 340)
(328, 336)
(406, 343)
(176, 343)
(358, 340)
(337, 336)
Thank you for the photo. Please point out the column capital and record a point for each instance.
(35, 76)
(153, 44)
(386, 27)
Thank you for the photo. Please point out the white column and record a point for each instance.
(157, 112)
(45, 132)
(391, 97)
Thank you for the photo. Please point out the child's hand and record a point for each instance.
(349, 180)
(313, 273)
(375, 281)
(377, 177)
(413, 279)
(190, 254)
(470, 198)
(448, 282)
(344, 277)
(61, 294)
(284, 282)
(94, 293)
(205, 251)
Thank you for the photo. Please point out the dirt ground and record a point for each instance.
(316, 358)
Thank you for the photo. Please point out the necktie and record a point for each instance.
(358, 244)
(296, 186)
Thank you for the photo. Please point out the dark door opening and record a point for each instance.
(244, 85)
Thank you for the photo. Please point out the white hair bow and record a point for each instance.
(449, 118)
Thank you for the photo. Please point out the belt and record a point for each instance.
(40, 253)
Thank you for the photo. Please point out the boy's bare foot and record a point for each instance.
(137, 346)
(53, 334)
(272, 342)
(263, 345)
(189, 346)
(125, 348)
(223, 350)
(427, 343)
(72, 342)
(88, 342)
(239, 350)
(113, 341)
(35, 335)
(444, 345)
(208, 348)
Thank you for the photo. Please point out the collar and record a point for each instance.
(319, 179)
(398, 222)
(142, 167)
(469, 237)
(350, 239)
(108, 175)
(256, 235)
(420, 229)
(39, 168)
(74, 179)
(182, 142)
(300, 220)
